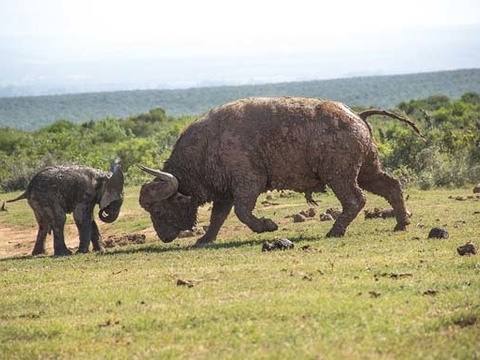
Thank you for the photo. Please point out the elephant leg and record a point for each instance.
(43, 229)
(96, 238)
(59, 247)
(44, 226)
(220, 211)
(83, 216)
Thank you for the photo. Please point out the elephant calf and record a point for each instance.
(59, 190)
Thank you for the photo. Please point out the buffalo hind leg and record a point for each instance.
(352, 199)
(220, 211)
(385, 185)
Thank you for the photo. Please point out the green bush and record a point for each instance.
(448, 156)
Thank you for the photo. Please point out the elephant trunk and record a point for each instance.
(111, 212)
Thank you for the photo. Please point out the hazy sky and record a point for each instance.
(49, 46)
(114, 28)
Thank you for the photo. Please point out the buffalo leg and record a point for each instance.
(352, 199)
(243, 210)
(388, 187)
(220, 211)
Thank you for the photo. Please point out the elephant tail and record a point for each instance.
(20, 197)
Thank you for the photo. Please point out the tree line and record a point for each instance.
(34, 112)
(447, 156)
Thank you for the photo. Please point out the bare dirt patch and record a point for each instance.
(19, 242)
(16, 242)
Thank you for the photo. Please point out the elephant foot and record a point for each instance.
(36, 252)
(100, 250)
(98, 247)
(62, 252)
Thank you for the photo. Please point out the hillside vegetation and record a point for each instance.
(31, 113)
(447, 156)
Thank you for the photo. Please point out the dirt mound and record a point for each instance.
(124, 240)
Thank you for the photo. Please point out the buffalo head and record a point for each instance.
(170, 211)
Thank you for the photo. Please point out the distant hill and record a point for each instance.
(30, 113)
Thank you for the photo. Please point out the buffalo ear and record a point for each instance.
(113, 189)
(183, 199)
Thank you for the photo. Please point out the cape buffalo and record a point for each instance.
(240, 149)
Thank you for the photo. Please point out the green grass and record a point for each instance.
(373, 294)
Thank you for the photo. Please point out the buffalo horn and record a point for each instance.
(164, 176)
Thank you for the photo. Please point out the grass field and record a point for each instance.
(373, 294)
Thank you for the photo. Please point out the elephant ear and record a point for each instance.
(113, 189)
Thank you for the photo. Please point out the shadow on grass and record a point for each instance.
(155, 248)
(160, 248)
(18, 257)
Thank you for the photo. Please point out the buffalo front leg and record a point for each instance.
(352, 199)
(220, 211)
(243, 210)
(385, 185)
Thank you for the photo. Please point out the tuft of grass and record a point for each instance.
(374, 294)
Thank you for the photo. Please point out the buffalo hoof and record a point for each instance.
(335, 233)
(269, 225)
(200, 245)
(400, 227)
(203, 242)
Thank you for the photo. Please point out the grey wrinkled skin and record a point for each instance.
(241, 149)
(59, 190)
